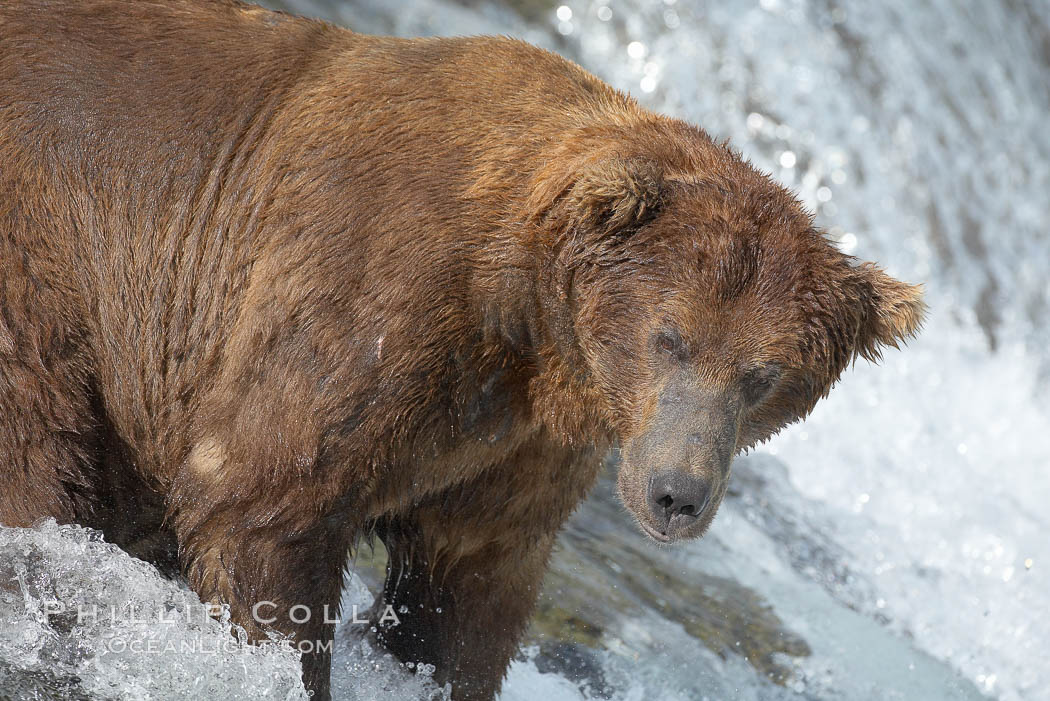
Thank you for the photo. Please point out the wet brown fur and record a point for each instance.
(283, 285)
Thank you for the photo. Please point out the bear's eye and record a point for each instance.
(669, 342)
(759, 382)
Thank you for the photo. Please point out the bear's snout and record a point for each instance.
(674, 472)
(676, 501)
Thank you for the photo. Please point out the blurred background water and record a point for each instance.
(894, 546)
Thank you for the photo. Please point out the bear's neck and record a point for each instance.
(524, 311)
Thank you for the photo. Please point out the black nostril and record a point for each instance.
(678, 495)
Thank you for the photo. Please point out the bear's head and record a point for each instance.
(705, 309)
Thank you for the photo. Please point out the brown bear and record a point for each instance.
(268, 286)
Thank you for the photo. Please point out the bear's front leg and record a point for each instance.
(264, 548)
(466, 567)
(463, 612)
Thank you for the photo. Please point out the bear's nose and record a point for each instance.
(677, 499)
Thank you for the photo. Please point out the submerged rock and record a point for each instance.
(604, 572)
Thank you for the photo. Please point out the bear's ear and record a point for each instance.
(892, 311)
(606, 195)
